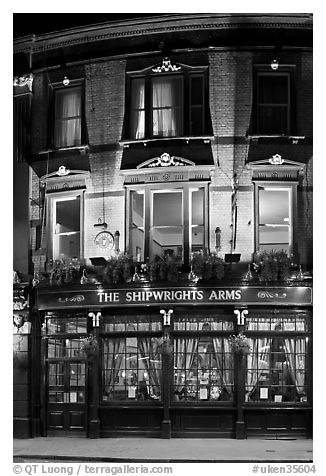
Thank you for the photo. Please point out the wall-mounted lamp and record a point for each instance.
(217, 238)
(66, 81)
(274, 65)
(116, 241)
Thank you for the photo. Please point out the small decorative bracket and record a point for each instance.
(26, 80)
(166, 316)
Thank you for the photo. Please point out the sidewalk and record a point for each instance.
(159, 450)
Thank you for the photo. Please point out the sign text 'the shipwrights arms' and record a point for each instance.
(193, 295)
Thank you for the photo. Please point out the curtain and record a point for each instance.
(166, 100)
(185, 350)
(295, 351)
(258, 359)
(68, 118)
(112, 362)
(146, 349)
(224, 359)
(137, 118)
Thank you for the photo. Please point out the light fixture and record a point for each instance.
(274, 65)
(217, 238)
(66, 81)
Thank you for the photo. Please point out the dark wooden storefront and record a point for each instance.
(74, 398)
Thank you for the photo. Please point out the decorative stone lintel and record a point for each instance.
(166, 66)
(25, 80)
(166, 160)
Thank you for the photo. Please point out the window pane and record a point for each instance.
(167, 209)
(273, 89)
(196, 105)
(137, 113)
(274, 219)
(197, 211)
(197, 220)
(276, 370)
(274, 235)
(203, 369)
(68, 117)
(167, 106)
(66, 238)
(273, 119)
(67, 215)
(196, 87)
(131, 369)
(136, 247)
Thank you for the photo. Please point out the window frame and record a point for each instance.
(199, 333)
(295, 335)
(148, 190)
(51, 200)
(186, 74)
(283, 70)
(55, 88)
(291, 187)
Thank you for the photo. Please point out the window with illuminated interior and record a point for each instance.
(65, 218)
(167, 104)
(170, 219)
(275, 206)
(278, 364)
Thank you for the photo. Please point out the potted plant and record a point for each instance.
(64, 272)
(164, 268)
(272, 266)
(119, 269)
(207, 265)
(240, 344)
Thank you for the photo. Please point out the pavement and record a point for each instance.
(176, 450)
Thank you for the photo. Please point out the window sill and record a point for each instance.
(293, 138)
(81, 148)
(205, 138)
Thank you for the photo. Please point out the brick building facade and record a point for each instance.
(173, 137)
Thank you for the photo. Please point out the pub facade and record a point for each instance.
(170, 292)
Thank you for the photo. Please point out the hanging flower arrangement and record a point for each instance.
(90, 345)
(240, 344)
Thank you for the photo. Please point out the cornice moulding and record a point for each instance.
(164, 24)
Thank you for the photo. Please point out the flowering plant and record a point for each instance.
(89, 345)
(240, 344)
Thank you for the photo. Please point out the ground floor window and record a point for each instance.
(277, 367)
(131, 363)
(203, 359)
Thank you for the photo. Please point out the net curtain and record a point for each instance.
(68, 118)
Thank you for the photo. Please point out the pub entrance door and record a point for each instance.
(66, 397)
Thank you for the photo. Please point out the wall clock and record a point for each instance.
(104, 240)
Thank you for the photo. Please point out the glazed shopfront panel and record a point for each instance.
(174, 374)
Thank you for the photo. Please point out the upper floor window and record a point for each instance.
(273, 103)
(167, 220)
(67, 117)
(65, 226)
(167, 105)
(275, 204)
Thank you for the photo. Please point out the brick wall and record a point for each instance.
(230, 88)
